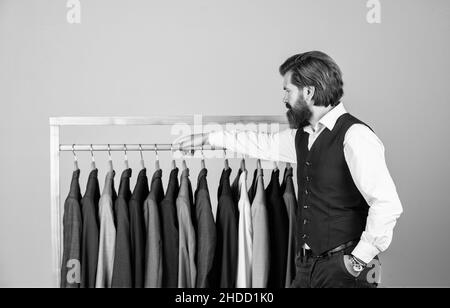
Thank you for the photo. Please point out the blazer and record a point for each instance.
(287, 187)
(153, 250)
(235, 190)
(278, 230)
(261, 244)
(253, 187)
(137, 229)
(72, 229)
(107, 243)
(122, 276)
(225, 261)
(187, 271)
(169, 232)
(90, 234)
(206, 234)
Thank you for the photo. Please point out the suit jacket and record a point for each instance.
(287, 188)
(153, 250)
(227, 234)
(278, 230)
(72, 224)
(206, 234)
(122, 269)
(187, 271)
(90, 234)
(137, 229)
(245, 235)
(235, 191)
(253, 188)
(169, 232)
(107, 242)
(261, 244)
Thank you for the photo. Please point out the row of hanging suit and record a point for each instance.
(148, 238)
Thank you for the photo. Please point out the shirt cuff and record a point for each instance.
(365, 251)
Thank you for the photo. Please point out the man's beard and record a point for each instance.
(298, 115)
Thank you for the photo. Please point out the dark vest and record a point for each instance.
(331, 210)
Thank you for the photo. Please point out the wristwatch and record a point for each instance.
(357, 265)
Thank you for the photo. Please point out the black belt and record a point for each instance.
(328, 253)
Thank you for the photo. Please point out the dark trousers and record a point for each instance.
(330, 272)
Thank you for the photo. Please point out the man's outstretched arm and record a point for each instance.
(279, 146)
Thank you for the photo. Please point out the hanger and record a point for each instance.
(275, 166)
(184, 166)
(202, 162)
(258, 164)
(226, 164)
(157, 158)
(243, 163)
(174, 165)
(75, 159)
(110, 162)
(126, 157)
(288, 165)
(93, 166)
(142, 157)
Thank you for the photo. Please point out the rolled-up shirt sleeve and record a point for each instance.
(364, 153)
(278, 146)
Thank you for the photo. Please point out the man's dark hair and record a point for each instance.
(317, 69)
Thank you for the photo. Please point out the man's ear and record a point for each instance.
(308, 93)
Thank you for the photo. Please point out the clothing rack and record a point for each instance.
(56, 123)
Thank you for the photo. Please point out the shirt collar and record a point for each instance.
(329, 120)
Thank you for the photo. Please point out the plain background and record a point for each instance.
(142, 58)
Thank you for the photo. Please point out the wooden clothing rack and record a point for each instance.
(56, 123)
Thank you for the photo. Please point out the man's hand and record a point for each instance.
(349, 266)
(186, 143)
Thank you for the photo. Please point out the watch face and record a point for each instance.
(358, 267)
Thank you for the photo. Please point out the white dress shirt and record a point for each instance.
(245, 236)
(364, 154)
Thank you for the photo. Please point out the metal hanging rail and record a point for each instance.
(130, 147)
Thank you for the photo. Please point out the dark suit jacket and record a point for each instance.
(137, 229)
(169, 232)
(122, 277)
(153, 250)
(278, 230)
(90, 235)
(287, 188)
(225, 261)
(73, 226)
(206, 234)
(252, 190)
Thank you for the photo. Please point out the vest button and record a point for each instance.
(305, 207)
(308, 179)
(308, 163)
(306, 192)
(305, 221)
(304, 236)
